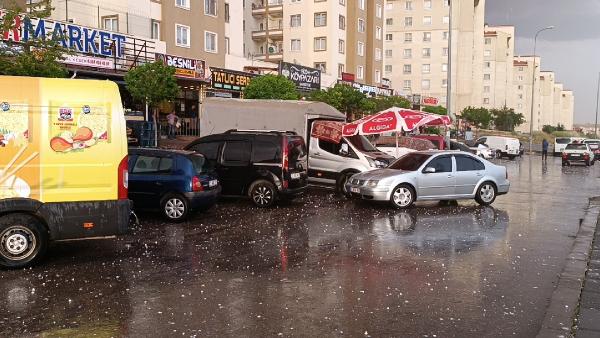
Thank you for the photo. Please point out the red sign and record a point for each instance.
(327, 130)
(429, 101)
(347, 77)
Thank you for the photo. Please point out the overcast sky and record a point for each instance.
(571, 50)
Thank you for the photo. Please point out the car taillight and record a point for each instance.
(586, 155)
(506, 171)
(197, 184)
(285, 160)
(123, 178)
(564, 156)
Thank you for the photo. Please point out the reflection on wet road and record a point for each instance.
(322, 266)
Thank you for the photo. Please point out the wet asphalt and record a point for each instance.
(320, 266)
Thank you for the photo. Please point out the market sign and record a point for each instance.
(386, 83)
(80, 39)
(348, 77)
(429, 101)
(184, 67)
(305, 78)
(230, 79)
(369, 90)
(89, 61)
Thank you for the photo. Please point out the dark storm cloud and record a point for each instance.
(574, 19)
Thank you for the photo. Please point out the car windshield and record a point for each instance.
(574, 146)
(200, 164)
(361, 143)
(564, 140)
(410, 162)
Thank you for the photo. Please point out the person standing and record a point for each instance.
(545, 145)
(172, 120)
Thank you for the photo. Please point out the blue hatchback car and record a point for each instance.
(176, 181)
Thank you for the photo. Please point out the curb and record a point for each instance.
(564, 303)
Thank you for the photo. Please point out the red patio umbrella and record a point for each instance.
(394, 120)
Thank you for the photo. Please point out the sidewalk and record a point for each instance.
(588, 319)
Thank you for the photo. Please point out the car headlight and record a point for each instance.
(372, 183)
(376, 163)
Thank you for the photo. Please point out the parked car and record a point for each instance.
(402, 145)
(481, 150)
(577, 153)
(560, 143)
(264, 165)
(437, 140)
(178, 182)
(432, 175)
(594, 147)
(504, 146)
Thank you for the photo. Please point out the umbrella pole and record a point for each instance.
(396, 144)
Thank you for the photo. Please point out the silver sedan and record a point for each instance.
(432, 175)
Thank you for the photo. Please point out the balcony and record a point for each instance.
(272, 34)
(275, 9)
(272, 57)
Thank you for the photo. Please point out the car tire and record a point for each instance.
(587, 163)
(403, 196)
(512, 157)
(486, 193)
(565, 163)
(175, 208)
(498, 154)
(23, 240)
(340, 185)
(262, 193)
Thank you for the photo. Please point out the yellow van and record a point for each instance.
(63, 164)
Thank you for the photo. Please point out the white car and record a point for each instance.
(504, 146)
(560, 143)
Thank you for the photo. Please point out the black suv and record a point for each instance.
(264, 165)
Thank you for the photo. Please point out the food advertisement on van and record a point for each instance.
(77, 127)
(19, 163)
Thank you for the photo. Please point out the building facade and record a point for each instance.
(527, 91)
(498, 56)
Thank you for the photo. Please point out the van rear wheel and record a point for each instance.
(23, 240)
(341, 183)
(263, 193)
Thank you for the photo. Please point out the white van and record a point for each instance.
(560, 143)
(504, 146)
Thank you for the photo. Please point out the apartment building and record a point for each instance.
(525, 69)
(498, 56)
(547, 97)
(335, 36)
(417, 47)
(567, 109)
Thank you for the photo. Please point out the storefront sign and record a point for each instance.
(386, 83)
(184, 67)
(429, 101)
(305, 78)
(369, 90)
(348, 77)
(89, 61)
(77, 38)
(230, 79)
(416, 99)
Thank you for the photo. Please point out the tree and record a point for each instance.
(479, 117)
(271, 87)
(439, 110)
(386, 102)
(345, 99)
(38, 56)
(152, 83)
(506, 119)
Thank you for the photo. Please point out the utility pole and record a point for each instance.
(597, 99)
(533, 87)
(449, 87)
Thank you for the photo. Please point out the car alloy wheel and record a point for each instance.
(175, 208)
(402, 197)
(262, 195)
(486, 194)
(17, 243)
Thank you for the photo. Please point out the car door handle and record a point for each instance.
(479, 174)
(158, 183)
(450, 176)
(317, 154)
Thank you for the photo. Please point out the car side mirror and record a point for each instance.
(429, 170)
(344, 150)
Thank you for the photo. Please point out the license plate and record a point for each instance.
(295, 176)
(213, 183)
(576, 155)
(355, 190)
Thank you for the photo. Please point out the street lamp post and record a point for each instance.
(533, 87)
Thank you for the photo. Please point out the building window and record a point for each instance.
(426, 68)
(361, 26)
(427, 4)
(408, 5)
(111, 23)
(361, 4)
(210, 7)
(487, 52)
(320, 44)
(155, 29)
(295, 45)
(296, 20)
(486, 89)
(342, 46)
(445, 51)
(378, 33)
(227, 46)
(379, 11)
(444, 67)
(322, 66)
(377, 76)
(426, 36)
(446, 19)
(487, 64)
(388, 68)
(408, 21)
(227, 16)
(520, 87)
(444, 83)
(340, 70)
(407, 69)
(487, 77)
(426, 52)
(321, 19)
(520, 96)
(182, 4)
(360, 48)
(389, 37)
(408, 53)
(182, 35)
(389, 6)
(427, 20)
(521, 69)
(378, 55)
(389, 21)
(520, 78)
(343, 2)
(446, 3)
(486, 100)
(445, 36)
(360, 72)
(425, 84)
(388, 53)
(520, 105)
(342, 22)
(407, 85)
(407, 37)
(210, 42)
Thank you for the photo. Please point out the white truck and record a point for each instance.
(328, 162)
(504, 146)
